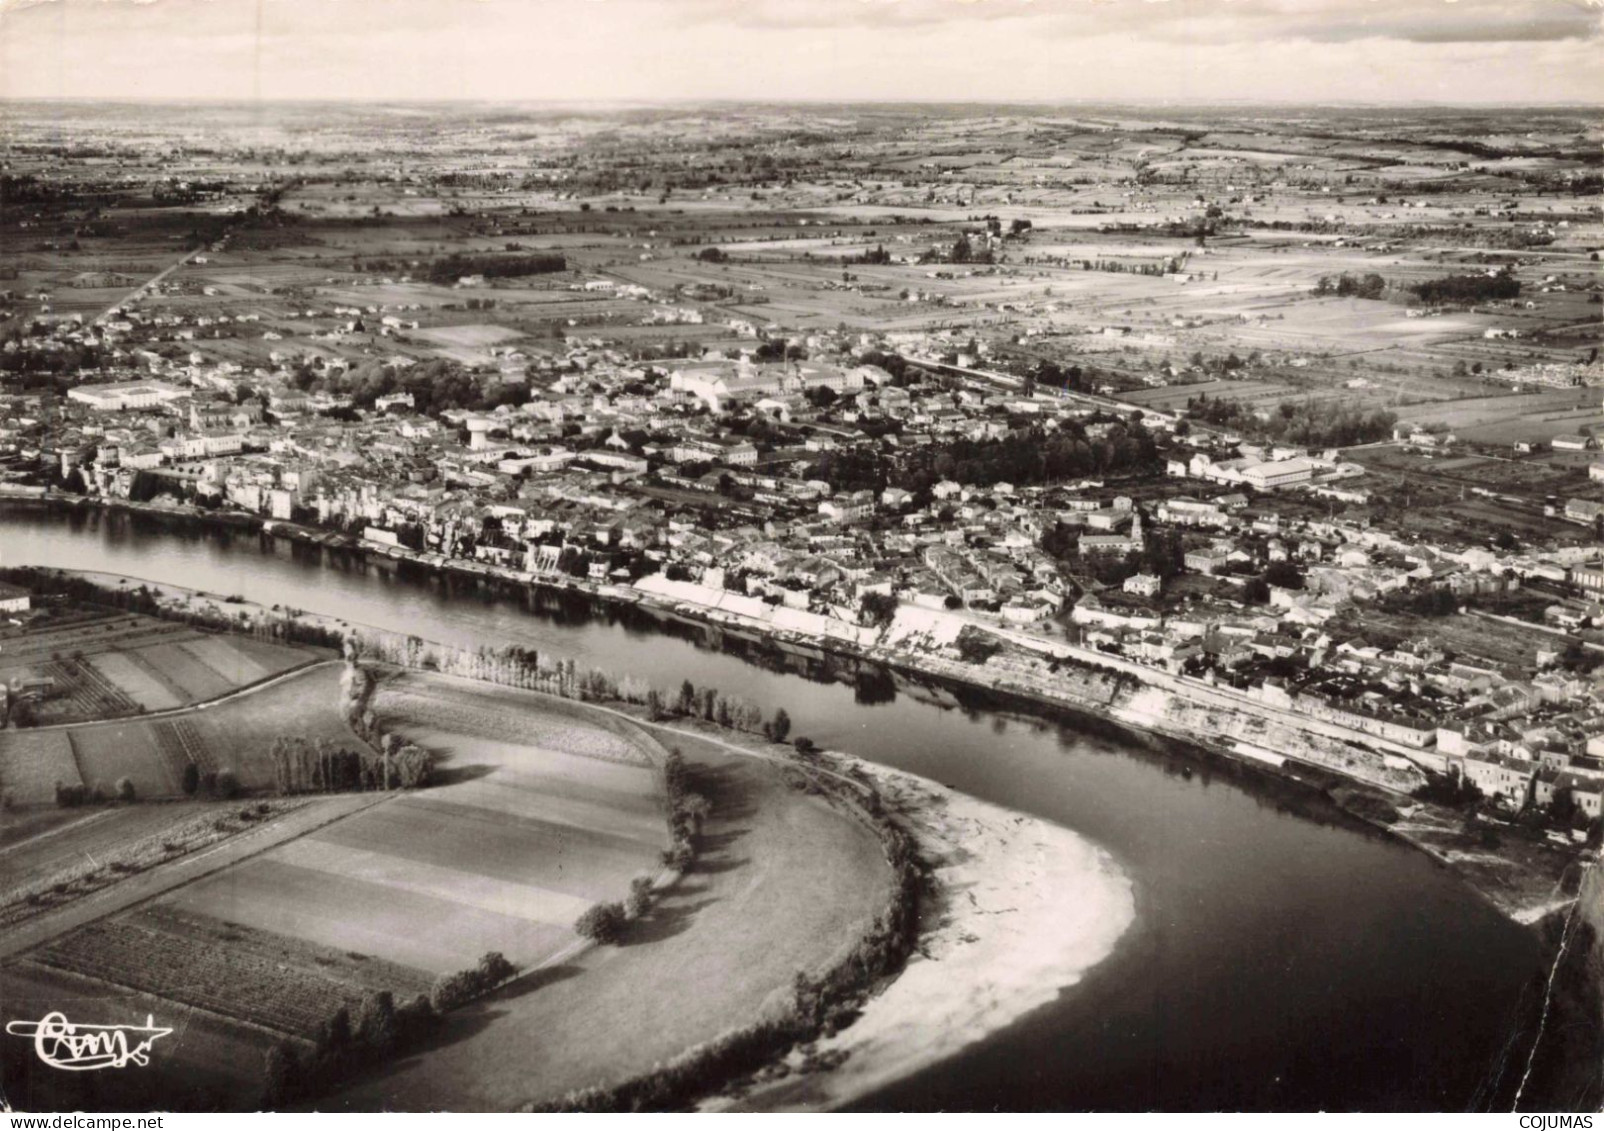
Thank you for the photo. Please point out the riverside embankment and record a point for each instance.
(1263, 912)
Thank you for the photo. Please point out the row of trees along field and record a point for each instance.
(607, 923)
(380, 1032)
(530, 670)
(1314, 424)
(319, 766)
(452, 267)
(820, 1003)
(1449, 289)
(1468, 288)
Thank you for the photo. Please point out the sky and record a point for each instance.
(1179, 51)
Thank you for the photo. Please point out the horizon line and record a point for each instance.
(733, 100)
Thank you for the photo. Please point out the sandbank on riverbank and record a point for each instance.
(1021, 909)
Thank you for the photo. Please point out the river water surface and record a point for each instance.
(1283, 957)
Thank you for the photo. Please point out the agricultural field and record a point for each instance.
(209, 1062)
(265, 979)
(1490, 412)
(783, 885)
(543, 810)
(33, 762)
(542, 814)
(152, 753)
(33, 848)
(105, 665)
(239, 734)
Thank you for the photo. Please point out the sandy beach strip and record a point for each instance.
(1022, 910)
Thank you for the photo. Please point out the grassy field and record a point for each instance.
(239, 734)
(540, 815)
(32, 762)
(784, 884)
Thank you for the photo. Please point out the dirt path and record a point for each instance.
(201, 705)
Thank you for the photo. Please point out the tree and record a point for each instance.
(450, 991)
(281, 1073)
(977, 648)
(780, 729)
(375, 1025)
(1284, 575)
(697, 808)
(414, 1019)
(336, 1033)
(877, 609)
(226, 784)
(1563, 807)
(494, 969)
(805, 746)
(639, 900)
(191, 779)
(125, 789)
(603, 923)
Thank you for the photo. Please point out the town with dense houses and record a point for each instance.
(822, 484)
(801, 606)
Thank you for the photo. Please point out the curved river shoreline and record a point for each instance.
(1282, 957)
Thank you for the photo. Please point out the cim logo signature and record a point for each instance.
(83, 1048)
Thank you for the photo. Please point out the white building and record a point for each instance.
(126, 395)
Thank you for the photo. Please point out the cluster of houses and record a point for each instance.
(711, 476)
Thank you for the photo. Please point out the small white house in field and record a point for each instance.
(13, 599)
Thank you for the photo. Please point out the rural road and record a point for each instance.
(189, 708)
(143, 287)
(731, 747)
(187, 869)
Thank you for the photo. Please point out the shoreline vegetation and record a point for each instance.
(1344, 768)
(980, 968)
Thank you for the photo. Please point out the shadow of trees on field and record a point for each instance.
(729, 787)
(445, 774)
(530, 982)
(664, 922)
(711, 844)
(474, 1018)
(713, 866)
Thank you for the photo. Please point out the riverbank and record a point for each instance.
(1018, 911)
(1223, 856)
(1015, 912)
(1523, 882)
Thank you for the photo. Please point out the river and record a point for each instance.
(1284, 957)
